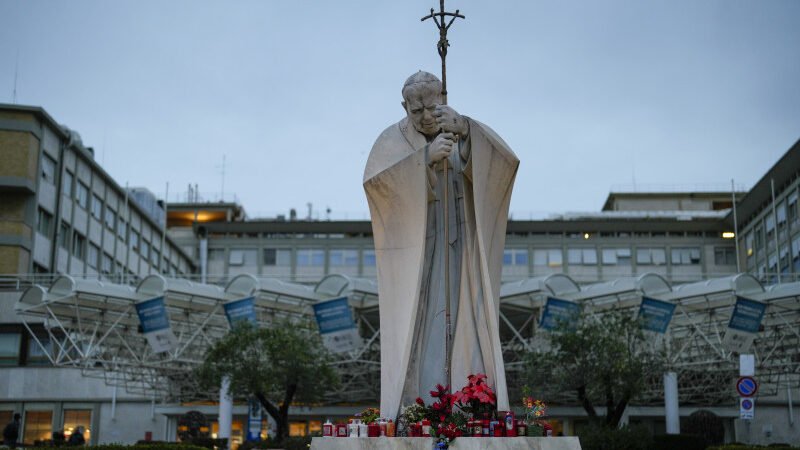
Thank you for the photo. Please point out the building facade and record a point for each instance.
(61, 213)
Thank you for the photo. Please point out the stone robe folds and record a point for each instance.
(400, 188)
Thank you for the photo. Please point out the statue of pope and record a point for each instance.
(405, 190)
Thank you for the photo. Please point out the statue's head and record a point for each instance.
(421, 93)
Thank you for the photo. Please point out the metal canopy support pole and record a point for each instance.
(225, 419)
(671, 412)
(735, 228)
(791, 409)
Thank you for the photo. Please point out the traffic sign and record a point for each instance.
(746, 386)
(747, 407)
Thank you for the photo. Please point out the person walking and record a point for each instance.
(11, 432)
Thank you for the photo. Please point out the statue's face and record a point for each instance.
(420, 103)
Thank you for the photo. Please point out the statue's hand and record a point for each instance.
(449, 120)
(441, 147)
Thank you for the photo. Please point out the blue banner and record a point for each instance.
(241, 311)
(655, 314)
(558, 312)
(152, 315)
(747, 315)
(253, 420)
(334, 315)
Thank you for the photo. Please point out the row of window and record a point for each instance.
(282, 257)
(763, 235)
(655, 256)
(37, 425)
(311, 257)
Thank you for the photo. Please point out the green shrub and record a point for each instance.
(148, 446)
(626, 438)
(680, 441)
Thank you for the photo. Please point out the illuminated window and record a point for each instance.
(315, 428)
(38, 426)
(297, 429)
(74, 418)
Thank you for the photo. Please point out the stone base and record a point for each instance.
(462, 443)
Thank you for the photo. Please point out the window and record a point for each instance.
(796, 254)
(748, 244)
(38, 354)
(110, 218)
(582, 256)
(515, 257)
(66, 183)
(780, 211)
(616, 257)
(791, 208)
(74, 418)
(121, 228)
(725, 256)
(94, 255)
(63, 236)
(38, 426)
(343, 258)
(134, 240)
(107, 264)
(97, 207)
(78, 245)
(155, 257)
(44, 222)
(685, 256)
(547, 257)
(9, 349)
(48, 169)
(82, 195)
(277, 257)
(144, 250)
(311, 257)
(368, 258)
(651, 256)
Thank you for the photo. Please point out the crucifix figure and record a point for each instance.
(438, 185)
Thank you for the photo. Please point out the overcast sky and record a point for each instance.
(591, 95)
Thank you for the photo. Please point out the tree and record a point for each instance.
(277, 365)
(605, 359)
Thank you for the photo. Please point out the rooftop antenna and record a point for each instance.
(16, 73)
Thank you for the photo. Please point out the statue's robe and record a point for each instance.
(405, 197)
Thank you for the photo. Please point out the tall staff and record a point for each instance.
(443, 20)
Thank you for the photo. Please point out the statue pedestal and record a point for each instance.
(462, 443)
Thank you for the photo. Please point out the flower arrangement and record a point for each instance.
(477, 397)
(535, 412)
(369, 415)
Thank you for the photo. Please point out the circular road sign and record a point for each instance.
(747, 386)
(747, 404)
